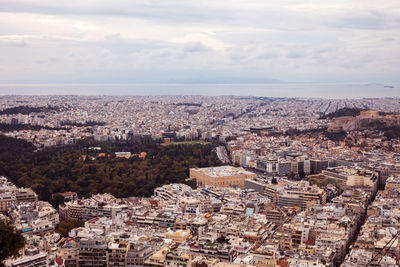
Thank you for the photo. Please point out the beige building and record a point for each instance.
(221, 176)
(68, 251)
(158, 258)
(354, 177)
(35, 258)
(361, 180)
(7, 200)
(392, 182)
(179, 236)
(11, 195)
(177, 258)
(117, 254)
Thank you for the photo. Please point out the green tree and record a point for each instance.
(56, 200)
(11, 241)
(222, 239)
(56, 169)
(64, 227)
(192, 183)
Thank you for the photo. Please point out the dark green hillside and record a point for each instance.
(341, 113)
(27, 110)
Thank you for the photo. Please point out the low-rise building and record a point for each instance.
(221, 176)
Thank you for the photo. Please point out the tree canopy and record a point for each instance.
(27, 110)
(86, 171)
(11, 241)
(64, 227)
(343, 112)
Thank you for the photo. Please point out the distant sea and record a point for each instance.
(306, 90)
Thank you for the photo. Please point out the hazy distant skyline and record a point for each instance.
(170, 41)
(301, 90)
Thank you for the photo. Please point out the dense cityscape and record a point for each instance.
(199, 181)
(235, 133)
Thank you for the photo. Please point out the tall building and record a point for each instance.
(284, 167)
(137, 254)
(10, 195)
(92, 252)
(317, 166)
(117, 254)
(7, 200)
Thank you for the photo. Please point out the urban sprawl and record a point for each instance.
(297, 186)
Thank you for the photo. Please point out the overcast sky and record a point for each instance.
(201, 41)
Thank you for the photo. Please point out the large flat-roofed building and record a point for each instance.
(354, 177)
(10, 195)
(37, 259)
(289, 193)
(7, 200)
(393, 182)
(92, 252)
(316, 166)
(221, 176)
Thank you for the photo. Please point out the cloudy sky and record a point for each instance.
(207, 41)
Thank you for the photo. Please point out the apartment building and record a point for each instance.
(92, 252)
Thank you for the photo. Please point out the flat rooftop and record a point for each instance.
(222, 171)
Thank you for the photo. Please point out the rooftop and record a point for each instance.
(222, 171)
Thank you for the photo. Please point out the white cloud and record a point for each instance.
(61, 41)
